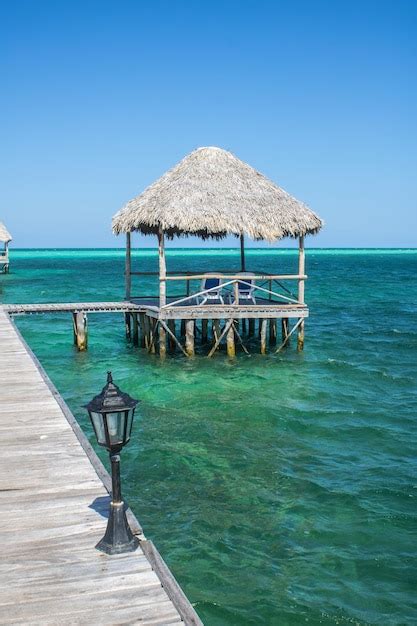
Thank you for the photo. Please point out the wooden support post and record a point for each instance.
(294, 328)
(242, 253)
(228, 324)
(189, 337)
(152, 335)
(128, 268)
(272, 331)
(79, 321)
(204, 329)
(128, 326)
(301, 269)
(171, 340)
(230, 342)
(300, 337)
(244, 327)
(135, 333)
(142, 330)
(146, 331)
(162, 268)
(216, 330)
(162, 341)
(251, 330)
(284, 329)
(262, 324)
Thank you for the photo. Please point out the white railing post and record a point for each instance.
(301, 269)
(162, 268)
(128, 275)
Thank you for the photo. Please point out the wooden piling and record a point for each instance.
(204, 329)
(230, 342)
(128, 326)
(272, 331)
(171, 340)
(142, 330)
(262, 325)
(189, 337)
(251, 329)
(135, 333)
(152, 335)
(300, 337)
(162, 341)
(79, 322)
(285, 329)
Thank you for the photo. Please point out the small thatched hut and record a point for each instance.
(212, 194)
(5, 238)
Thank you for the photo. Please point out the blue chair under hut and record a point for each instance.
(215, 295)
(246, 288)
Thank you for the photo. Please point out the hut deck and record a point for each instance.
(53, 506)
(245, 309)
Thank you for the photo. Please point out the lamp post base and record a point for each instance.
(118, 537)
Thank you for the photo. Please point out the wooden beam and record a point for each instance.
(171, 334)
(235, 276)
(220, 336)
(128, 267)
(162, 268)
(301, 269)
(240, 339)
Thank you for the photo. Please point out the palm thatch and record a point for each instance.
(5, 236)
(211, 193)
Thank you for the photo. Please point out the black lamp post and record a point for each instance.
(111, 413)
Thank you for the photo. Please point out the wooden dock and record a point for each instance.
(53, 504)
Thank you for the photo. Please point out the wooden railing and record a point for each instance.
(232, 288)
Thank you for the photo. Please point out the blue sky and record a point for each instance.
(100, 98)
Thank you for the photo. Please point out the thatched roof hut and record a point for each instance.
(5, 236)
(212, 193)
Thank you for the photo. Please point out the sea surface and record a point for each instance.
(280, 489)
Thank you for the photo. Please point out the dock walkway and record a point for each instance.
(53, 506)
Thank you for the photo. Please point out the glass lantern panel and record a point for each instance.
(130, 414)
(116, 426)
(98, 423)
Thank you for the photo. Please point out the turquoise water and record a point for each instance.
(280, 490)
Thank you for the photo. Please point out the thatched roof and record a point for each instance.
(4, 233)
(211, 193)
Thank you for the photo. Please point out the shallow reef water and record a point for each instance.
(280, 489)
